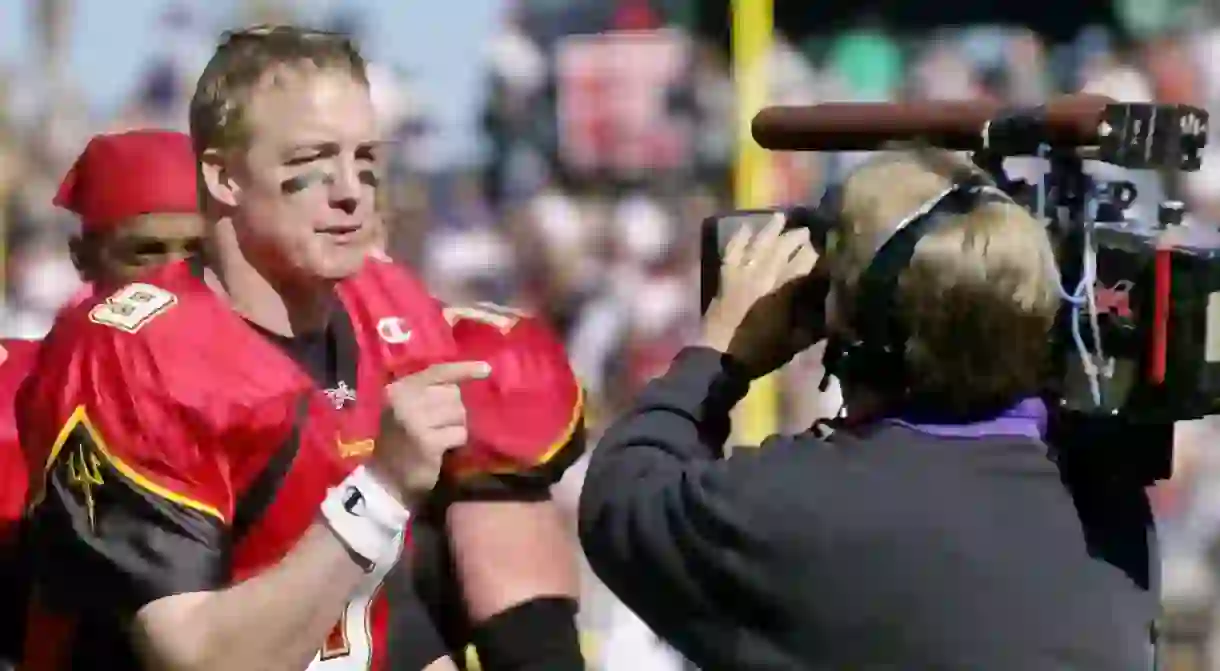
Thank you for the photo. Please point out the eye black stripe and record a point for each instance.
(303, 181)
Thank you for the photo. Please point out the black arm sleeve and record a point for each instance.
(666, 524)
(537, 634)
(100, 542)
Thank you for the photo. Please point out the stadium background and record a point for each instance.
(559, 154)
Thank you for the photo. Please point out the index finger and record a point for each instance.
(735, 250)
(449, 373)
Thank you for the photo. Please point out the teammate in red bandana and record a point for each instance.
(136, 196)
(227, 455)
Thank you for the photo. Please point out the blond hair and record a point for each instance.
(977, 299)
(242, 59)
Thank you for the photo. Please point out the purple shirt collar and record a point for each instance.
(1025, 419)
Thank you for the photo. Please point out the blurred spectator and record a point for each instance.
(713, 100)
(517, 71)
(168, 77)
(943, 73)
(41, 279)
(869, 64)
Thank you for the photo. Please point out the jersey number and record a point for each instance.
(339, 641)
(496, 316)
(350, 643)
(133, 306)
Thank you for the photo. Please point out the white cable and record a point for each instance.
(1082, 297)
(1087, 285)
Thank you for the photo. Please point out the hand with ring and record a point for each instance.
(751, 318)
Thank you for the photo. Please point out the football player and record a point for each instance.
(227, 451)
(493, 556)
(136, 197)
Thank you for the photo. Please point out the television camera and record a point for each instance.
(1137, 343)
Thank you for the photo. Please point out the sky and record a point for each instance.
(441, 42)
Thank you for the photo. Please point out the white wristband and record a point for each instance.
(367, 518)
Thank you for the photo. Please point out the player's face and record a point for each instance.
(306, 203)
(144, 242)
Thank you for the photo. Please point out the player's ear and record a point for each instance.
(218, 178)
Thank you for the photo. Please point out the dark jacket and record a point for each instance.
(897, 546)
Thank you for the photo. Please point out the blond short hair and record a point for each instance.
(978, 298)
(242, 59)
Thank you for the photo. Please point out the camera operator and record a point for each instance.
(931, 530)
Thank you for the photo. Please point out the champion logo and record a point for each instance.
(353, 501)
(393, 331)
(340, 395)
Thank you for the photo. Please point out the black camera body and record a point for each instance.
(1157, 297)
(1137, 342)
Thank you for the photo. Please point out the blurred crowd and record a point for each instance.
(609, 137)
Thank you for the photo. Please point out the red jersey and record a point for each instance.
(179, 458)
(16, 360)
(525, 421)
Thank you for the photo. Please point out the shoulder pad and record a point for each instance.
(185, 347)
(526, 419)
(160, 391)
(131, 308)
(394, 312)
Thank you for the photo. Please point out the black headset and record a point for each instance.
(875, 356)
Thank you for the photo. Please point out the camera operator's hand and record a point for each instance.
(751, 319)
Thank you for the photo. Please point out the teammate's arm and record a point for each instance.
(513, 553)
(515, 561)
